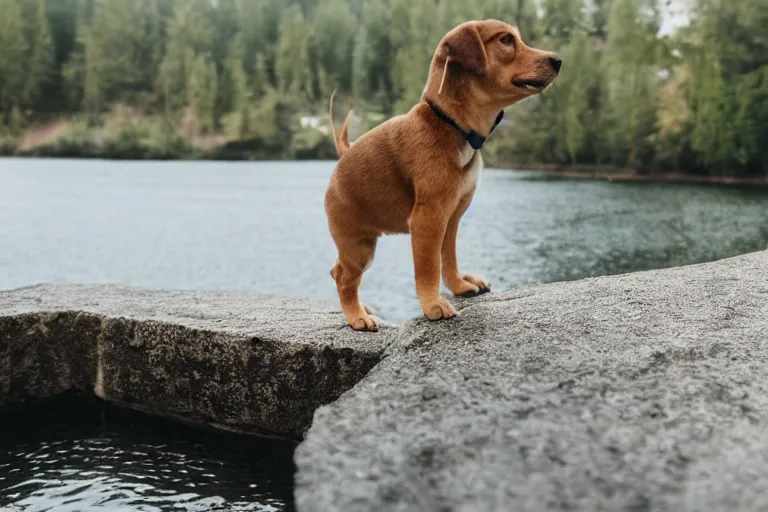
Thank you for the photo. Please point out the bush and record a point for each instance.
(312, 144)
(8, 146)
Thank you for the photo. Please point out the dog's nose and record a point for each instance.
(556, 63)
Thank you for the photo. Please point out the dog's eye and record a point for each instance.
(507, 39)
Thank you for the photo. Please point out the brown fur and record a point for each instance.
(341, 140)
(416, 174)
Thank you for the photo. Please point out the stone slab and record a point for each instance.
(645, 391)
(237, 361)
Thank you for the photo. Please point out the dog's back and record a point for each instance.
(371, 183)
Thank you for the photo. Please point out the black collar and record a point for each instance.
(475, 140)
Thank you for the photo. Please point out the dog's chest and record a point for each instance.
(472, 163)
(465, 155)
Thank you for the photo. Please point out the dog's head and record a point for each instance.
(489, 60)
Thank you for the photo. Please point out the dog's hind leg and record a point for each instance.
(355, 256)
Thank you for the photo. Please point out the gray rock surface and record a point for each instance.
(646, 391)
(241, 362)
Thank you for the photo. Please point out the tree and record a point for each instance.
(520, 13)
(41, 55)
(121, 50)
(13, 51)
(694, 99)
(333, 37)
(241, 93)
(259, 22)
(189, 36)
(260, 80)
(292, 64)
(413, 54)
(561, 18)
(373, 55)
(576, 90)
(201, 91)
(729, 95)
(16, 122)
(62, 16)
(632, 75)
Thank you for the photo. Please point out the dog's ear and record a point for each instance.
(464, 46)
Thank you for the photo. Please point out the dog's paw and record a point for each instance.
(480, 284)
(365, 324)
(439, 310)
(471, 286)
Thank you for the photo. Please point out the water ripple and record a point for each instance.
(66, 457)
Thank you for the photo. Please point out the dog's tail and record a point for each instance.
(340, 139)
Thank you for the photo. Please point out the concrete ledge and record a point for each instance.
(241, 362)
(646, 391)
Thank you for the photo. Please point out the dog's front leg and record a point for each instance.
(467, 285)
(428, 224)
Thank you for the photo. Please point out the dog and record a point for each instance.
(417, 173)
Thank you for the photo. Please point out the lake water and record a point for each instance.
(261, 227)
(77, 456)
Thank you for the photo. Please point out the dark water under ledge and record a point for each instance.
(79, 455)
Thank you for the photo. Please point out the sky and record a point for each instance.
(675, 14)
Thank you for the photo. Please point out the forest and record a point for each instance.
(239, 79)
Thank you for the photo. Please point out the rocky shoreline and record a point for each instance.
(644, 391)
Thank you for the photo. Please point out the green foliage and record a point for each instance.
(414, 35)
(188, 36)
(16, 122)
(41, 54)
(333, 37)
(247, 70)
(373, 55)
(631, 70)
(728, 46)
(13, 54)
(201, 92)
(121, 51)
(240, 90)
(292, 65)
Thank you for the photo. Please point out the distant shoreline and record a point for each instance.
(629, 176)
(554, 171)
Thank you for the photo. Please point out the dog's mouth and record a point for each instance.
(531, 85)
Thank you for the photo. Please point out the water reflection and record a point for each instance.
(77, 456)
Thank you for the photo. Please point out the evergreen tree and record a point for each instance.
(333, 37)
(373, 55)
(729, 97)
(189, 36)
(241, 92)
(13, 52)
(520, 13)
(695, 99)
(120, 49)
(632, 74)
(201, 91)
(41, 55)
(561, 18)
(414, 55)
(292, 64)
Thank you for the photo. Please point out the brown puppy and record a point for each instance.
(417, 172)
